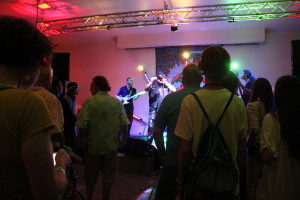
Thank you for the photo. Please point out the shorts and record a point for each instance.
(106, 164)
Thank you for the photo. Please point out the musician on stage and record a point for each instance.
(158, 88)
(124, 95)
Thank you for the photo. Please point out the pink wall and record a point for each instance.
(270, 60)
(89, 60)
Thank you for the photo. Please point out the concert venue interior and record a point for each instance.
(114, 37)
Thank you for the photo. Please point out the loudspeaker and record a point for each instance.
(60, 65)
(296, 57)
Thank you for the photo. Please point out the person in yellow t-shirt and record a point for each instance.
(27, 170)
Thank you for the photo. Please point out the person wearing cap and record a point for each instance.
(158, 88)
(69, 107)
(73, 90)
(246, 89)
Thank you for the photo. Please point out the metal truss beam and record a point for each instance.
(223, 12)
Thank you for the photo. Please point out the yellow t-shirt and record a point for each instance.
(281, 176)
(22, 116)
(192, 123)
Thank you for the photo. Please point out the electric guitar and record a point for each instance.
(126, 98)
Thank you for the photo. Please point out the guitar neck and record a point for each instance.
(132, 97)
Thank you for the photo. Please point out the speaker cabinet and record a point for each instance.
(296, 57)
(60, 65)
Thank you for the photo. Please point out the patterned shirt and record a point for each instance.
(53, 106)
(103, 116)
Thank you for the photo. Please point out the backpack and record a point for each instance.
(213, 174)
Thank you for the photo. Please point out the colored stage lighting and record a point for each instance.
(234, 66)
(44, 6)
(141, 68)
(186, 55)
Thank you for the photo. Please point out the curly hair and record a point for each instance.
(262, 89)
(214, 62)
(287, 104)
(23, 46)
(101, 83)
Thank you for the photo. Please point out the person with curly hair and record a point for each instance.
(100, 122)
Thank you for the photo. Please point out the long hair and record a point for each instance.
(214, 62)
(101, 83)
(262, 89)
(287, 104)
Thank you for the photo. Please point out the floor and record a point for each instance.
(129, 186)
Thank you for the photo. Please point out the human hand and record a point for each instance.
(62, 159)
(153, 78)
(164, 81)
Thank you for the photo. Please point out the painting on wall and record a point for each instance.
(170, 61)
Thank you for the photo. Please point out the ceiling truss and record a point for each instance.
(223, 12)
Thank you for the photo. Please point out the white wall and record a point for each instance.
(270, 60)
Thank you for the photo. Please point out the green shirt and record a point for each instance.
(167, 116)
(103, 116)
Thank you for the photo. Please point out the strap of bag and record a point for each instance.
(4, 88)
(201, 106)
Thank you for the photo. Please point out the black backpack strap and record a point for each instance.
(201, 106)
(4, 88)
(227, 105)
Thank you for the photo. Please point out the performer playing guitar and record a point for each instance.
(126, 94)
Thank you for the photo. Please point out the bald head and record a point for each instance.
(191, 75)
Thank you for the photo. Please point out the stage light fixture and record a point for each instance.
(234, 66)
(186, 55)
(141, 68)
(174, 27)
(44, 6)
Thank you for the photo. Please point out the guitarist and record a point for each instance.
(123, 94)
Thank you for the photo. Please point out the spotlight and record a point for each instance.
(186, 55)
(174, 27)
(141, 68)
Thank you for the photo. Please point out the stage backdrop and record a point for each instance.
(170, 61)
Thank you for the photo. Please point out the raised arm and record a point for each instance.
(170, 86)
(148, 86)
(245, 90)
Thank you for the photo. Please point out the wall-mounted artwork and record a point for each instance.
(170, 61)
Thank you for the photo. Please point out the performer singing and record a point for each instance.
(158, 88)
(125, 94)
